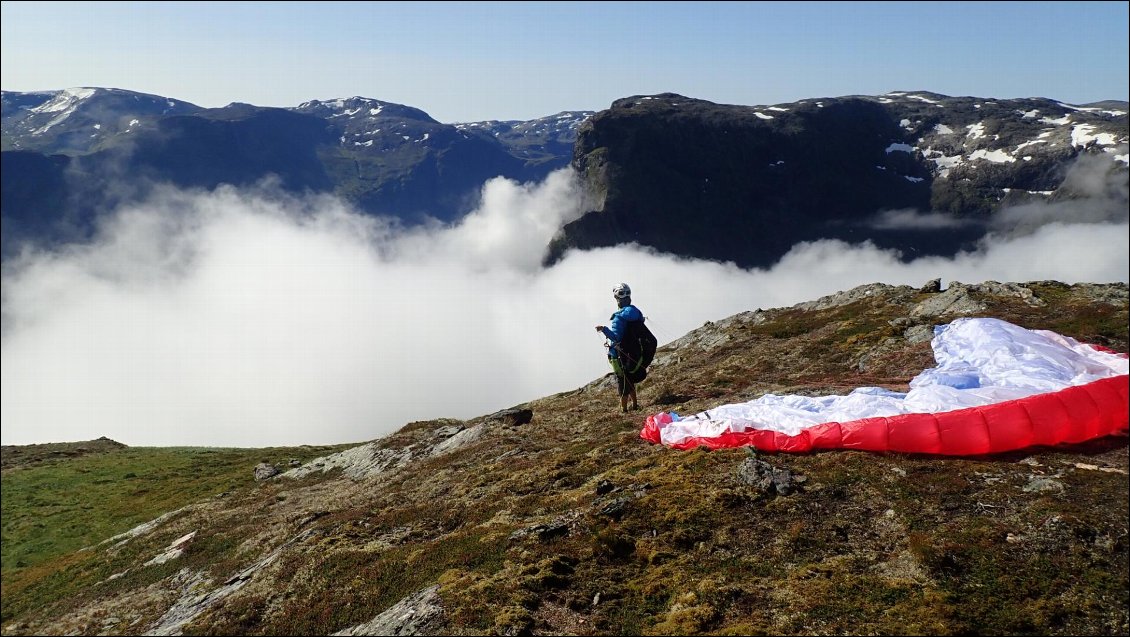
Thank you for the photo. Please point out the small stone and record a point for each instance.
(932, 287)
(264, 471)
(513, 417)
(604, 486)
(1043, 485)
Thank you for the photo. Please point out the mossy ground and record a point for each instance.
(571, 524)
(63, 497)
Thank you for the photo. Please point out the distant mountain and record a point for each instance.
(394, 159)
(538, 140)
(916, 171)
(79, 120)
(746, 183)
(97, 148)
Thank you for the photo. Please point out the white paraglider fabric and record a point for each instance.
(981, 361)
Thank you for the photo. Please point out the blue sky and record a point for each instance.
(473, 61)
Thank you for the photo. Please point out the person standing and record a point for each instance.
(628, 358)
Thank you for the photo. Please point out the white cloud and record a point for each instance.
(1094, 190)
(254, 319)
(905, 219)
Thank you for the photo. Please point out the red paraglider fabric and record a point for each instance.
(998, 387)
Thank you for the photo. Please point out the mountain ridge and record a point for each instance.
(682, 175)
(746, 183)
(554, 517)
(108, 147)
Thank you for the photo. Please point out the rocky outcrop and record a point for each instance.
(265, 471)
(915, 171)
(417, 614)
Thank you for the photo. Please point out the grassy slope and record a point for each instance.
(527, 527)
(66, 496)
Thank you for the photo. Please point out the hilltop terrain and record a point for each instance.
(554, 517)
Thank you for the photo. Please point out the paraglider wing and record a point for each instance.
(997, 387)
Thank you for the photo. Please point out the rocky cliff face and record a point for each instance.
(555, 518)
(746, 183)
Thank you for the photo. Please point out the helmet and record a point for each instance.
(621, 291)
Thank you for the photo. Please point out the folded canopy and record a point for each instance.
(997, 387)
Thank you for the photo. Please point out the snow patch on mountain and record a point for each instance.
(943, 163)
(65, 100)
(64, 103)
(998, 156)
(925, 99)
(1081, 135)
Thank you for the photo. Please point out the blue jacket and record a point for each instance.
(615, 332)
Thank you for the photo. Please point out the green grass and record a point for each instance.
(55, 507)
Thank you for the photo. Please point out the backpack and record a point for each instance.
(637, 349)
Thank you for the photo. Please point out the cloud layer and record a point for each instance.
(249, 318)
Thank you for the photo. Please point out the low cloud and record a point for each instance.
(1094, 190)
(915, 220)
(250, 318)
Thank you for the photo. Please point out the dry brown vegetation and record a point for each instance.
(571, 524)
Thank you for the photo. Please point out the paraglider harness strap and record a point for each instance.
(623, 377)
(625, 357)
